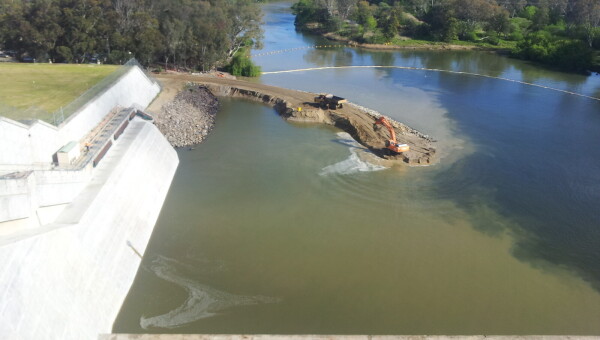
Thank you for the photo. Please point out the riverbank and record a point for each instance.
(410, 44)
(298, 106)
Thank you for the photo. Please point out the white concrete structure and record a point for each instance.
(22, 144)
(70, 235)
(31, 147)
(18, 196)
(134, 88)
(68, 153)
(68, 279)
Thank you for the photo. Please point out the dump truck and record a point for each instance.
(330, 101)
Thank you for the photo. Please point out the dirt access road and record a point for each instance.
(299, 106)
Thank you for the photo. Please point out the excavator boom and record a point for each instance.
(392, 144)
(384, 122)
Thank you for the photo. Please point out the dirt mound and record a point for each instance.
(299, 106)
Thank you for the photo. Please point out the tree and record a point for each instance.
(330, 6)
(190, 33)
(586, 13)
(11, 17)
(44, 29)
(421, 7)
(146, 40)
(528, 12)
(473, 12)
(541, 18)
(570, 55)
(345, 7)
(389, 20)
(513, 6)
(443, 24)
(307, 11)
(82, 21)
(244, 19)
(499, 22)
(362, 13)
(557, 8)
(126, 9)
(174, 31)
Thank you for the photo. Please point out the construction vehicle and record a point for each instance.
(330, 101)
(391, 144)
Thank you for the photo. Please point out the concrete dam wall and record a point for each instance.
(66, 275)
(32, 147)
(22, 144)
(69, 282)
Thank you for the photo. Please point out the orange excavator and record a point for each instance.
(391, 144)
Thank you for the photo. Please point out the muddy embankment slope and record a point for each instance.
(298, 106)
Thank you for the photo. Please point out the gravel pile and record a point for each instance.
(189, 118)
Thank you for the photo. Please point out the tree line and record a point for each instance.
(191, 34)
(561, 33)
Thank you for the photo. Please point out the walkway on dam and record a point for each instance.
(74, 211)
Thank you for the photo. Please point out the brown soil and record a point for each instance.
(298, 106)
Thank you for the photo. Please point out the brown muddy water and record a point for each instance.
(279, 228)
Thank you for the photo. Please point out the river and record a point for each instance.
(278, 228)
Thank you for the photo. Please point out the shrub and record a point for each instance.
(377, 38)
(470, 36)
(333, 24)
(519, 24)
(528, 12)
(516, 36)
(493, 38)
(241, 65)
(557, 29)
(569, 55)
(415, 29)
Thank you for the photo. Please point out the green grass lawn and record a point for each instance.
(37, 90)
(503, 44)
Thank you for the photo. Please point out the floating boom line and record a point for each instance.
(433, 70)
(301, 48)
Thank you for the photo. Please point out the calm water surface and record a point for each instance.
(272, 227)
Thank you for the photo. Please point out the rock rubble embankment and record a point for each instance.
(189, 118)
